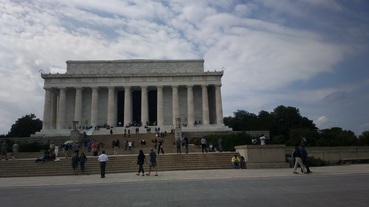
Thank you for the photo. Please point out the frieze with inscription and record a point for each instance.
(135, 66)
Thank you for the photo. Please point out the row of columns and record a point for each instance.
(56, 105)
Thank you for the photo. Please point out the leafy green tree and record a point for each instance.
(296, 134)
(337, 137)
(287, 118)
(241, 121)
(364, 138)
(25, 126)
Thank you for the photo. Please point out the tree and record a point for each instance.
(364, 138)
(337, 137)
(296, 134)
(241, 121)
(287, 118)
(25, 126)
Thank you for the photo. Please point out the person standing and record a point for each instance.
(153, 163)
(185, 140)
(160, 147)
(262, 139)
(4, 150)
(220, 144)
(15, 149)
(56, 150)
(103, 158)
(178, 144)
(82, 162)
(141, 160)
(76, 148)
(297, 155)
(203, 145)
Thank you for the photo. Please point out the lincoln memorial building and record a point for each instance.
(120, 93)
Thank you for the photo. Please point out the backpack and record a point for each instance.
(296, 153)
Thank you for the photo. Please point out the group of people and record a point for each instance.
(301, 159)
(211, 148)
(81, 160)
(4, 150)
(140, 161)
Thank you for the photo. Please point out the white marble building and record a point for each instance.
(122, 92)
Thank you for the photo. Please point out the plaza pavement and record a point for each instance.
(180, 175)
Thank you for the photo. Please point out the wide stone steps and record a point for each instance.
(117, 164)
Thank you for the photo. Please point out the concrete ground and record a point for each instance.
(344, 185)
(181, 175)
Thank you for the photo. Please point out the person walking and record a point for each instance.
(82, 162)
(203, 145)
(304, 158)
(103, 158)
(75, 160)
(15, 149)
(153, 163)
(141, 160)
(297, 155)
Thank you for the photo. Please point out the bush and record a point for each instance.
(32, 147)
(315, 162)
(229, 140)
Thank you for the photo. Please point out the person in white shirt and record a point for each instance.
(262, 140)
(103, 158)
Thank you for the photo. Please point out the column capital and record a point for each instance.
(189, 86)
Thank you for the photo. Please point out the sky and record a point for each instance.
(308, 54)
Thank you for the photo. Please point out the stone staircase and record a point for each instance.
(124, 162)
(116, 164)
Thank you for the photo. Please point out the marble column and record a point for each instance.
(190, 106)
(94, 106)
(144, 106)
(218, 105)
(47, 110)
(53, 111)
(111, 108)
(160, 109)
(205, 105)
(175, 104)
(78, 106)
(61, 109)
(127, 106)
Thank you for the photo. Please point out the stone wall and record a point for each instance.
(335, 154)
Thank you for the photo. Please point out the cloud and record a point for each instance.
(262, 45)
(336, 96)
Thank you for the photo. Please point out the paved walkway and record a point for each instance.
(180, 175)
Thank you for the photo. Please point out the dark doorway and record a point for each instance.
(120, 108)
(136, 107)
(152, 95)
